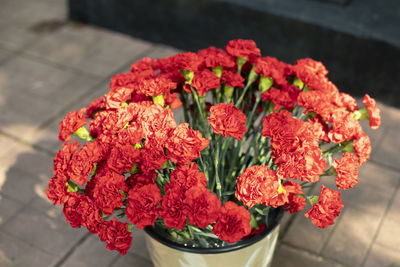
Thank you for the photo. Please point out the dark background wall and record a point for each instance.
(358, 63)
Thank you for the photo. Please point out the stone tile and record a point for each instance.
(43, 91)
(389, 235)
(375, 175)
(47, 137)
(16, 253)
(132, 261)
(8, 208)
(161, 51)
(352, 236)
(303, 234)
(52, 235)
(139, 247)
(4, 55)
(89, 49)
(286, 256)
(18, 17)
(383, 257)
(387, 152)
(91, 252)
(6, 144)
(19, 186)
(394, 210)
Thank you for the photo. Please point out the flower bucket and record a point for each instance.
(255, 251)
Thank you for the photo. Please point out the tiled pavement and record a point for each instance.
(49, 67)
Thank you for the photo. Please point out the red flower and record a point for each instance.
(116, 235)
(242, 48)
(344, 126)
(57, 192)
(203, 81)
(110, 122)
(348, 102)
(326, 209)
(308, 70)
(145, 64)
(71, 123)
(186, 177)
(80, 210)
(232, 79)
(202, 206)
(226, 119)
(233, 223)
(114, 99)
(106, 188)
(173, 208)
(362, 147)
(347, 170)
(257, 184)
(215, 57)
(141, 179)
(63, 158)
(373, 112)
(183, 61)
(153, 86)
(122, 157)
(288, 191)
(81, 164)
(273, 68)
(142, 205)
(184, 144)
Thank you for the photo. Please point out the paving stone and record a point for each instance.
(380, 177)
(383, 257)
(52, 235)
(389, 235)
(16, 253)
(92, 252)
(394, 210)
(17, 18)
(303, 234)
(8, 208)
(89, 49)
(19, 186)
(287, 257)
(161, 51)
(132, 261)
(6, 145)
(139, 247)
(352, 236)
(387, 152)
(43, 91)
(47, 137)
(4, 54)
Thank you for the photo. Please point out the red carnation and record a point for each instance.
(285, 194)
(327, 208)
(233, 223)
(257, 184)
(122, 157)
(71, 123)
(204, 80)
(226, 119)
(242, 48)
(173, 208)
(347, 170)
(142, 205)
(202, 206)
(373, 112)
(308, 69)
(82, 161)
(154, 86)
(185, 144)
(344, 126)
(215, 57)
(232, 79)
(57, 192)
(362, 147)
(145, 64)
(80, 210)
(63, 158)
(273, 68)
(116, 235)
(186, 177)
(114, 99)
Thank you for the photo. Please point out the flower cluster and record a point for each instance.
(256, 131)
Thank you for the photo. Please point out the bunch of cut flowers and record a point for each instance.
(256, 132)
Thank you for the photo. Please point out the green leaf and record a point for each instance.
(129, 228)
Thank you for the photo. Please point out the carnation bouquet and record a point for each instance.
(255, 132)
